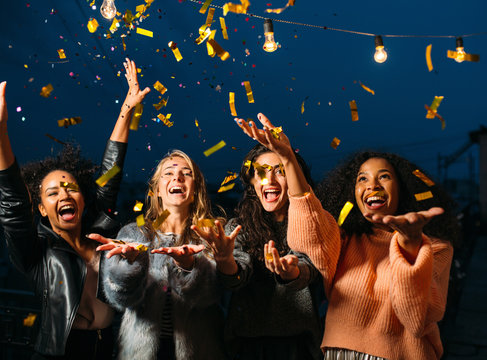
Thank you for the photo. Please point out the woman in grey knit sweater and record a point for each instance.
(160, 274)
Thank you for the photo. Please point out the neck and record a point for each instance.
(74, 239)
(175, 222)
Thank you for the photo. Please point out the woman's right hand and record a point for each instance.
(134, 94)
(127, 251)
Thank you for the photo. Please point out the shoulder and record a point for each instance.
(132, 233)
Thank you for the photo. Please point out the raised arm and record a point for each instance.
(6, 154)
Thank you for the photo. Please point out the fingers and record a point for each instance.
(101, 239)
(3, 86)
(242, 124)
(145, 91)
(106, 247)
(265, 121)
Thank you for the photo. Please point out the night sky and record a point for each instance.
(322, 68)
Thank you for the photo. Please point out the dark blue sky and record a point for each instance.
(320, 67)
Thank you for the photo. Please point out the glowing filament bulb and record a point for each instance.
(460, 56)
(380, 54)
(108, 9)
(269, 45)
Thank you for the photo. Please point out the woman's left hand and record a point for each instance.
(183, 255)
(286, 267)
(409, 226)
(281, 146)
(134, 94)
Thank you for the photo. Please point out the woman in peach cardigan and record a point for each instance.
(386, 269)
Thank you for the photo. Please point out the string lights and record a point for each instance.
(380, 54)
(108, 9)
(269, 44)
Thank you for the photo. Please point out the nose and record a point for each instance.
(64, 193)
(373, 184)
(178, 177)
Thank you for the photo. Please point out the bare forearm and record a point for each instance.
(121, 130)
(6, 154)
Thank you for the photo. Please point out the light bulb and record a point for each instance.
(380, 54)
(108, 9)
(269, 44)
(460, 55)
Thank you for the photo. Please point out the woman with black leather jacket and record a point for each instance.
(54, 253)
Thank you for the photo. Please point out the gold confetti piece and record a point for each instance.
(211, 51)
(231, 101)
(434, 107)
(165, 119)
(150, 193)
(61, 54)
(222, 54)
(226, 187)
(92, 25)
(214, 148)
(423, 177)
(196, 122)
(159, 87)
(206, 223)
(228, 178)
(423, 196)
(102, 180)
(248, 164)
(205, 6)
(124, 45)
(161, 104)
(223, 28)
(160, 219)
(56, 140)
(140, 8)
(335, 142)
(302, 107)
(92, 3)
(248, 89)
(354, 110)
(138, 206)
(140, 220)
(46, 90)
(281, 168)
(134, 122)
(367, 88)
(429, 63)
(141, 248)
(435, 114)
(209, 17)
(462, 56)
(175, 50)
(29, 320)
(69, 121)
(344, 212)
(128, 18)
(68, 185)
(278, 11)
(114, 26)
(275, 132)
(118, 241)
(236, 8)
(144, 32)
(269, 257)
(205, 32)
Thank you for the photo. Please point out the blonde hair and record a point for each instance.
(199, 209)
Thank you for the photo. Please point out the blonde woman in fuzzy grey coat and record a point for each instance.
(168, 294)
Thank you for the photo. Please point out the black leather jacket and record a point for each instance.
(55, 269)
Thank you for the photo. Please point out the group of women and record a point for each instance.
(191, 285)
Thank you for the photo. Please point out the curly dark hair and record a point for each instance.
(69, 160)
(338, 187)
(260, 226)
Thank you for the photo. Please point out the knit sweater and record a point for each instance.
(379, 303)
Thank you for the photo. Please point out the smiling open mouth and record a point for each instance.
(176, 190)
(271, 194)
(376, 199)
(67, 212)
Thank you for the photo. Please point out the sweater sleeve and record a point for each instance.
(419, 290)
(124, 282)
(313, 231)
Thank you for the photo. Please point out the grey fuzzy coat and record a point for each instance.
(138, 289)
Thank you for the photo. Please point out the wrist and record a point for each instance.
(227, 265)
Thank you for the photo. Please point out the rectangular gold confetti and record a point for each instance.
(222, 54)
(205, 6)
(159, 87)
(134, 122)
(223, 28)
(367, 88)
(69, 121)
(102, 180)
(114, 26)
(344, 212)
(248, 89)
(236, 8)
(278, 11)
(434, 107)
(138, 206)
(335, 142)
(214, 148)
(92, 25)
(423, 177)
(302, 107)
(429, 63)
(466, 57)
(140, 220)
(29, 320)
(204, 34)
(226, 187)
(175, 51)
(275, 132)
(354, 110)
(231, 102)
(141, 248)
(160, 219)
(161, 104)
(61, 54)
(229, 178)
(144, 32)
(423, 196)
(206, 223)
(165, 119)
(209, 17)
(68, 185)
(46, 90)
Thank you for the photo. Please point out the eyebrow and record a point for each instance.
(379, 171)
(175, 165)
(51, 188)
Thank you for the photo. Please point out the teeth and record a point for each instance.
(66, 207)
(272, 191)
(175, 188)
(374, 198)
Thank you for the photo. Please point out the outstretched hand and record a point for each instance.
(183, 255)
(286, 267)
(221, 244)
(409, 226)
(281, 146)
(134, 94)
(115, 247)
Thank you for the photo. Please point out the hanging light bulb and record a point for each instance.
(108, 9)
(269, 45)
(460, 55)
(380, 54)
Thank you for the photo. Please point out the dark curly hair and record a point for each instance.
(338, 187)
(258, 225)
(69, 160)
